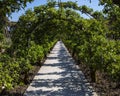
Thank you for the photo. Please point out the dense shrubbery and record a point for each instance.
(14, 70)
(35, 53)
(25, 51)
(94, 49)
(96, 44)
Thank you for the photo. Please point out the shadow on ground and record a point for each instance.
(62, 79)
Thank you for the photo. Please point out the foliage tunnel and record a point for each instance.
(93, 42)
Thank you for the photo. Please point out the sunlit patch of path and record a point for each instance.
(59, 76)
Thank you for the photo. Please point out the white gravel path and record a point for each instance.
(59, 76)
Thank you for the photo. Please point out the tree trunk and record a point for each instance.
(93, 74)
(118, 85)
(26, 81)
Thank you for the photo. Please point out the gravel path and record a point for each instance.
(59, 76)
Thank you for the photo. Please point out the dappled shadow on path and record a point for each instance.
(62, 78)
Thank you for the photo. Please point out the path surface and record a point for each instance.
(59, 76)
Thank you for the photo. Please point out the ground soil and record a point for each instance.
(104, 86)
(19, 90)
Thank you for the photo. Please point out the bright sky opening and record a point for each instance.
(94, 4)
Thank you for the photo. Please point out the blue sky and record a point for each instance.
(93, 4)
